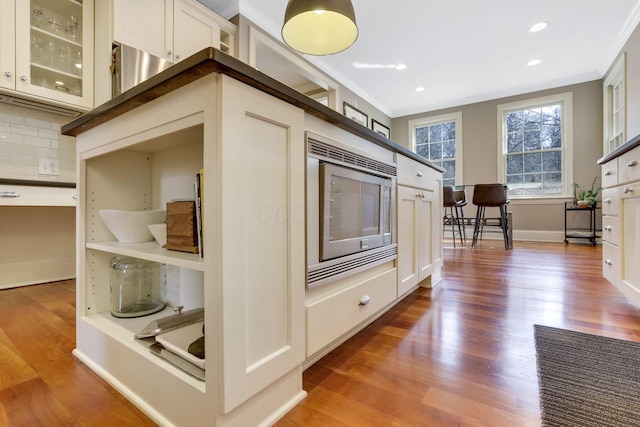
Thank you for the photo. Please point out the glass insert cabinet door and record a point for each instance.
(54, 61)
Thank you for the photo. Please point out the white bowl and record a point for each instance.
(131, 226)
(159, 232)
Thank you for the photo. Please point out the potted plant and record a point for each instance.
(586, 198)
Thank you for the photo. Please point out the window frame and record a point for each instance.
(566, 100)
(455, 117)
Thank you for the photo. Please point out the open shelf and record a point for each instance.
(123, 330)
(151, 251)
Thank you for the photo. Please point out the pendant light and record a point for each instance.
(319, 27)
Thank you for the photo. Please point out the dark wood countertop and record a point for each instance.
(36, 183)
(627, 146)
(212, 60)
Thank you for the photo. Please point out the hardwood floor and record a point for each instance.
(459, 355)
(463, 354)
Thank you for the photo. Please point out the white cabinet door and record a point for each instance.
(146, 25)
(195, 29)
(7, 44)
(408, 239)
(51, 56)
(425, 217)
(630, 205)
(436, 226)
(417, 217)
(263, 240)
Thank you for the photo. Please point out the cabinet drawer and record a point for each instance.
(611, 229)
(335, 315)
(610, 201)
(629, 166)
(415, 174)
(610, 174)
(25, 195)
(629, 191)
(611, 263)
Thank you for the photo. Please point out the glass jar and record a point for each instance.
(138, 287)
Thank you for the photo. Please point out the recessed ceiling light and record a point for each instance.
(378, 66)
(533, 62)
(538, 27)
(419, 89)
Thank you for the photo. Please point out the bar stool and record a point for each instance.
(461, 198)
(453, 216)
(490, 195)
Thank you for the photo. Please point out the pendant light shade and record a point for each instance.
(319, 27)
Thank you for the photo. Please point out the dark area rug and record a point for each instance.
(587, 380)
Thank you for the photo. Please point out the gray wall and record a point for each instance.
(480, 144)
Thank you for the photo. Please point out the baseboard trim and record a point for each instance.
(34, 272)
(534, 236)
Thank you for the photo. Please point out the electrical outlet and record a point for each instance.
(48, 167)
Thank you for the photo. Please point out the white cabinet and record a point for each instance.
(249, 145)
(170, 29)
(621, 223)
(46, 51)
(630, 201)
(419, 223)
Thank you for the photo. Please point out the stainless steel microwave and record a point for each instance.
(351, 208)
(356, 209)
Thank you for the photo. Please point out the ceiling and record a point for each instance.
(463, 51)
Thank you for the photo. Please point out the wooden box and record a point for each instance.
(182, 230)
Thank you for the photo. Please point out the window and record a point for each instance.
(614, 111)
(439, 140)
(535, 146)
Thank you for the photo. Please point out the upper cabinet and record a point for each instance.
(170, 29)
(46, 50)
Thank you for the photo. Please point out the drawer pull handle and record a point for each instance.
(9, 194)
(607, 200)
(419, 174)
(626, 190)
(608, 173)
(608, 262)
(632, 163)
(365, 300)
(608, 228)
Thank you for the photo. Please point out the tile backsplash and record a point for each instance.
(31, 143)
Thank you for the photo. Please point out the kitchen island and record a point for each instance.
(245, 133)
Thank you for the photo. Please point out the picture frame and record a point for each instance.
(354, 114)
(379, 128)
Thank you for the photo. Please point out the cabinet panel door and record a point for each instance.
(436, 224)
(263, 242)
(7, 44)
(631, 238)
(194, 30)
(145, 24)
(407, 238)
(425, 225)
